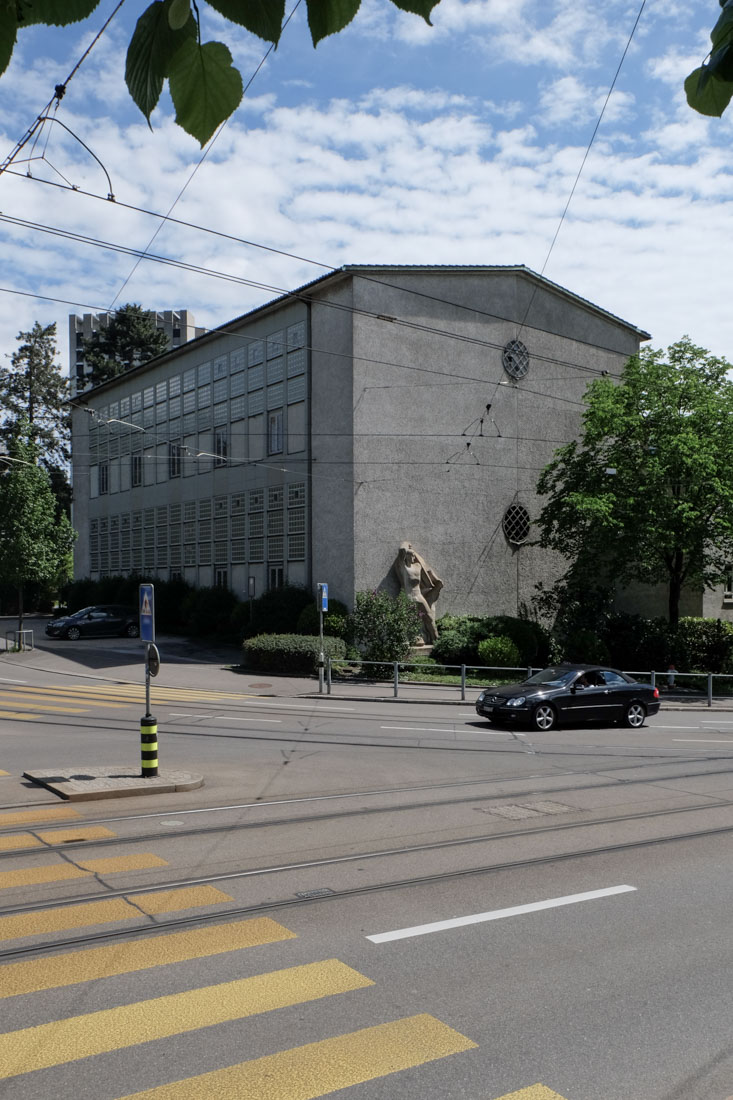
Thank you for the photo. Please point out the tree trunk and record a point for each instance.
(675, 591)
(20, 610)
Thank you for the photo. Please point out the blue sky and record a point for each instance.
(393, 142)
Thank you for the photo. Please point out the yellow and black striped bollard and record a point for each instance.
(149, 746)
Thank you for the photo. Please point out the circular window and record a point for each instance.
(516, 524)
(515, 358)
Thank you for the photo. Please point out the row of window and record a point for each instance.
(187, 555)
(253, 500)
(256, 525)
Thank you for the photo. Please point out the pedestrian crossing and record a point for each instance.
(169, 1006)
(69, 1042)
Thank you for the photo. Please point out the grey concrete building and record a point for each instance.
(305, 440)
(178, 325)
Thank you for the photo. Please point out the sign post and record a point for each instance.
(148, 724)
(322, 606)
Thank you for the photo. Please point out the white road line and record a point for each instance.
(297, 706)
(701, 741)
(6, 680)
(497, 914)
(237, 718)
(657, 726)
(176, 714)
(417, 729)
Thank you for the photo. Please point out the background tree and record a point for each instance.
(33, 394)
(35, 542)
(130, 338)
(169, 44)
(646, 493)
(710, 87)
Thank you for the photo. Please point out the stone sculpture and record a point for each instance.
(421, 584)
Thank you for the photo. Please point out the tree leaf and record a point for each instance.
(419, 7)
(179, 13)
(57, 13)
(149, 54)
(205, 87)
(262, 17)
(707, 93)
(722, 32)
(329, 16)
(8, 25)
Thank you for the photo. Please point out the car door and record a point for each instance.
(587, 699)
(97, 622)
(618, 692)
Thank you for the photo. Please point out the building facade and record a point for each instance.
(305, 440)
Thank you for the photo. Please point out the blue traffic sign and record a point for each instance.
(323, 590)
(147, 612)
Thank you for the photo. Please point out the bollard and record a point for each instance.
(149, 746)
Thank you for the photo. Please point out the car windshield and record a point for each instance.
(84, 611)
(553, 676)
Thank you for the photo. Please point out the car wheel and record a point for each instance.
(634, 715)
(132, 630)
(73, 633)
(544, 717)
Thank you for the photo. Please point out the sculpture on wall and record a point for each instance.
(421, 584)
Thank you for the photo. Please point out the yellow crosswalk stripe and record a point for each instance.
(4, 773)
(62, 872)
(110, 960)
(8, 700)
(306, 1072)
(56, 836)
(63, 1041)
(27, 817)
(129, 693)
(17, 715)
(86, 914)
(534, 1092)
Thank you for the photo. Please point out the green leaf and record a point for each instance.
(419, 7)
(262, 17)
(205, 87)
(149, 54)
(720, 63)
(707, 93)
(57, 13)
(329, 16)
(722, 32)
(179, 13)
(8, 25)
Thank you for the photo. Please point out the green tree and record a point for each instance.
(646, 493)
(35, 542)
(168, 45)
(130, 338)
(33, 392)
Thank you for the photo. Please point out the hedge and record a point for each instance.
(289, 653)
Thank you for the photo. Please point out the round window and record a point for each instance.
(516, 524)
(515, 358)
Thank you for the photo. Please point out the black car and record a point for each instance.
(96, 622)
(571, 693)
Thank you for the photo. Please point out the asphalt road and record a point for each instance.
(368, 898)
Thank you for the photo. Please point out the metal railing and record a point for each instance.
(671, 683)
(18, 640)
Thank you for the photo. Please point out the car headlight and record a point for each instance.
(481, 697)
(517, 701)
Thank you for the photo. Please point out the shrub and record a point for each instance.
(459, 639)
(498, 651)
(335, 620)
(703, 645)
(207, 611)
(277, 611)
(296, 654)
(637, 644)
(530, 638)
(384, 628)
(585, 646)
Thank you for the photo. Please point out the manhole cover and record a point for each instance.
(515, 813)
(322, 893)
(260, 685)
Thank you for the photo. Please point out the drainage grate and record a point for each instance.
(322, 893)
(515, 812)
(549, 807)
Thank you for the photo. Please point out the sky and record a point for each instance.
(392, 142)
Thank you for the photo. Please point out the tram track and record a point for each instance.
(290, 901)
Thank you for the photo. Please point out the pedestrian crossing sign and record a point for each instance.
(147, 613)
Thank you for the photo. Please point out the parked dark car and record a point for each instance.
(96, 622)
(570, 693)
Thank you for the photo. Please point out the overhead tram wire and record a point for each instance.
(301, 295)
(207, 150)
(585, 158)
(329, 268)
(58, 95)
